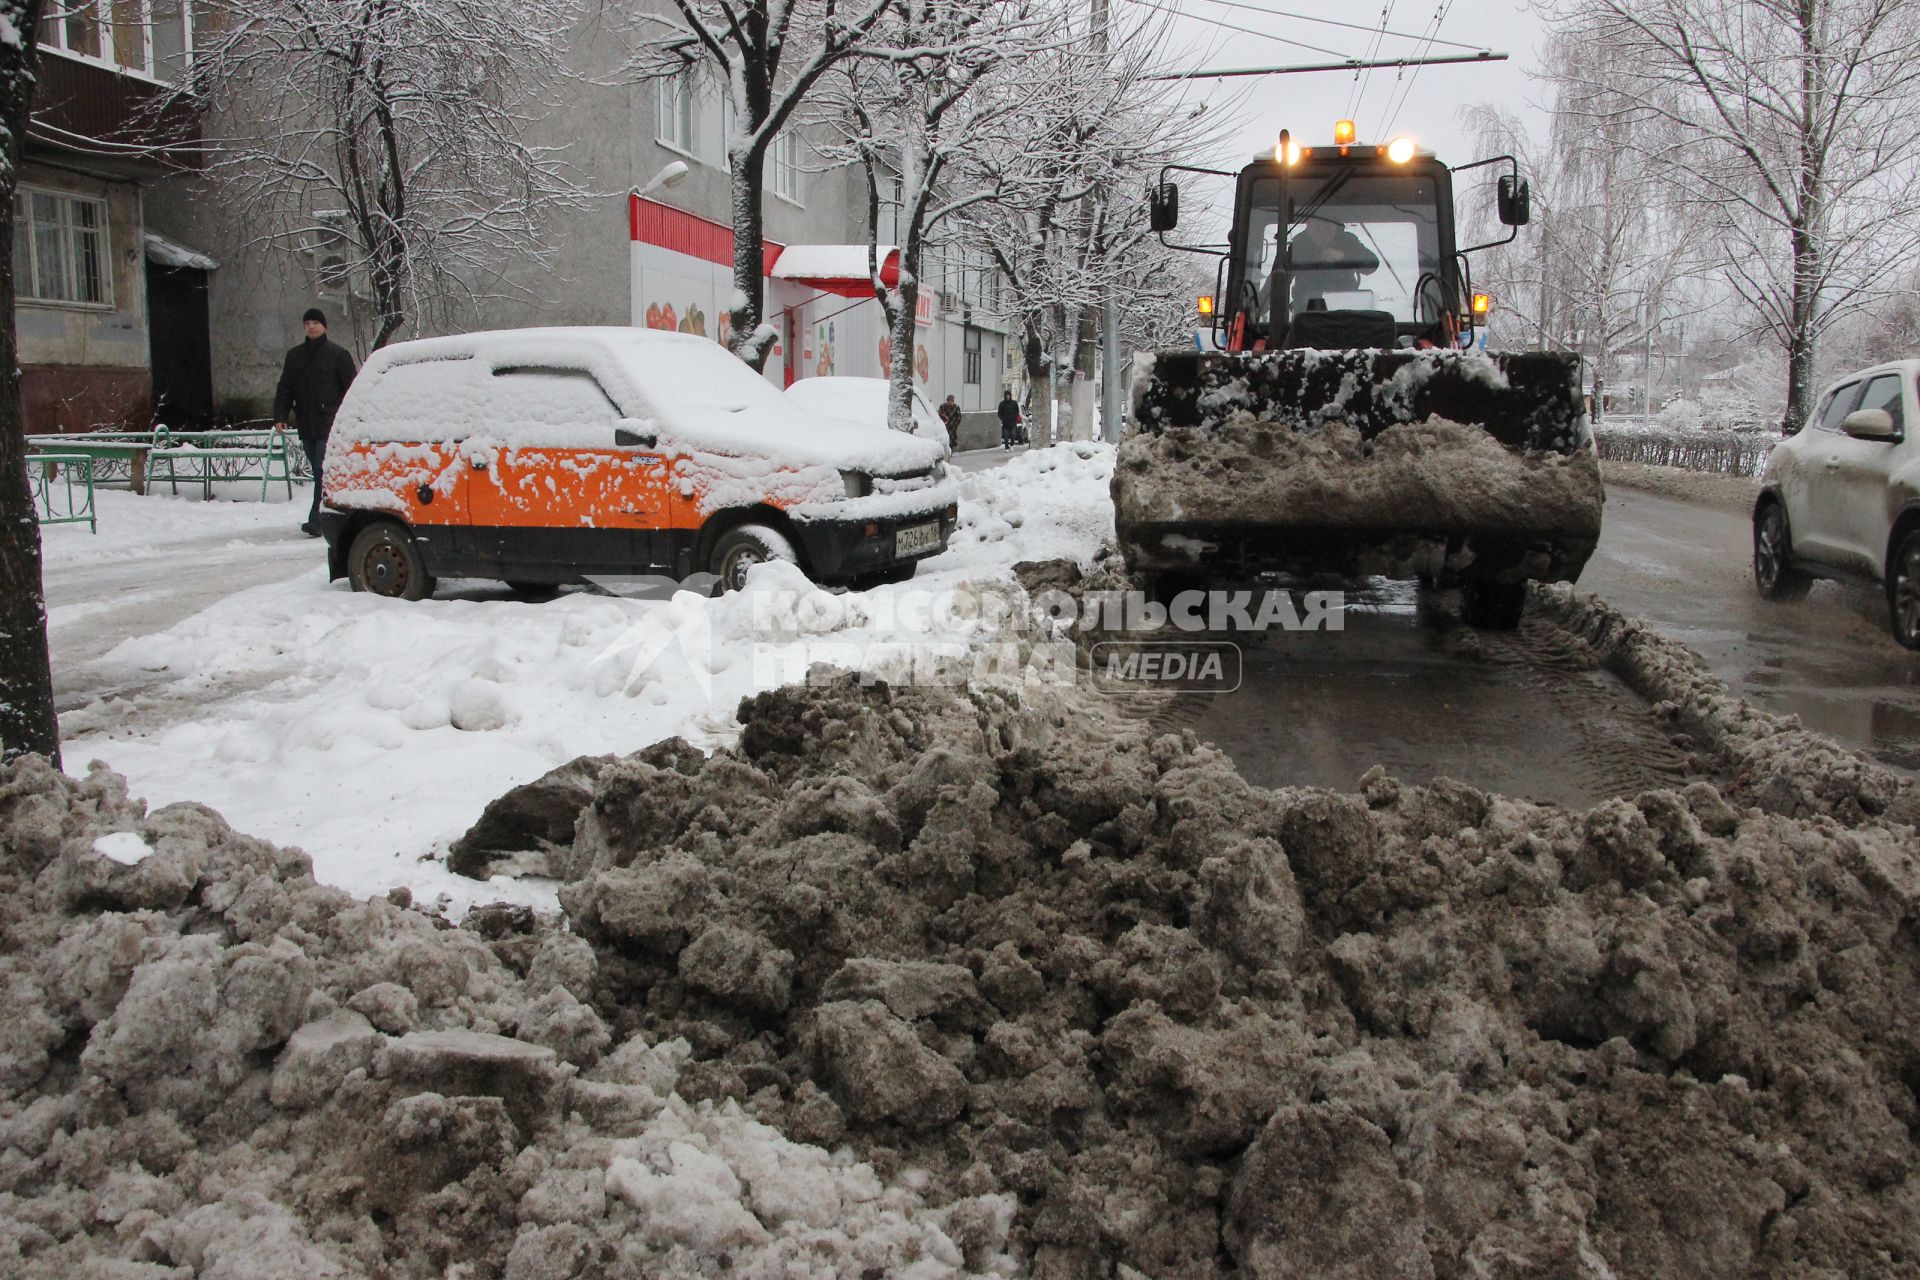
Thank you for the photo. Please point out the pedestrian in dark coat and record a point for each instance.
(950, 416)
(312, 384)
(1009, 421)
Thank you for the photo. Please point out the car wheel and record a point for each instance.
(1903, 590)
(1492, 604)
(385, 561)
(1773, 571)
(738, 550)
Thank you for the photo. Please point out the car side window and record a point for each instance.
(1839, 407)
(560, 406)
(1884, 393)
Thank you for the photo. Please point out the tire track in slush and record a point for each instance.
(1529, 712)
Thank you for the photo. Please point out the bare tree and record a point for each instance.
(931, 110)
(386, 137)
(1095, 131)
(1799, 138)
(27, 720)
(769, 55)
(1614, 247)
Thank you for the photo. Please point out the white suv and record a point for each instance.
(1841, 498)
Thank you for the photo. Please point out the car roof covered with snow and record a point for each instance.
(687, 391)
(862, 400)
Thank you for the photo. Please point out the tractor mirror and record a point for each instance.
(1516, 201)
(1163, 207)
(629, 438)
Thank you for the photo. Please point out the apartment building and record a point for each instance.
(662, 261)
(111, 316)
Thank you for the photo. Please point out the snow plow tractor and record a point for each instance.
(1339, 417)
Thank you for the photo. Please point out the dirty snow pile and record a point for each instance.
(1414, 477)
(371, 732)
(211, 1066)
(929, 982)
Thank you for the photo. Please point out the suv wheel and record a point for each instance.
(385, 561)
(1903, 590)
(738, 550)
(1773, 571)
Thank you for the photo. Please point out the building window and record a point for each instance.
(971, 342)
(673, 112)
(121, 33)
(784, 161)
(60, 248)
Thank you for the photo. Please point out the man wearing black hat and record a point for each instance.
(316, 377)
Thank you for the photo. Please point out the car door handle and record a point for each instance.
(477, 464)
(636, 511)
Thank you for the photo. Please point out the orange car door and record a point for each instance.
(550, 490)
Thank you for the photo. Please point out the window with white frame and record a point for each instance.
(971, 348)
(60, 248)
(673, 112)
(783, 166)
(146, 37)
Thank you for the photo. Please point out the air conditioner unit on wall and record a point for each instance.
(946, 303)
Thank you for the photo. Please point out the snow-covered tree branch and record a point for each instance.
(1792, 128)
(385, 138)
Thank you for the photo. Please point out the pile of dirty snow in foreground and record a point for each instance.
(928, 983)
(1415, 476)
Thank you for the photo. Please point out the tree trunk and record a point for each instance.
(900, 365)
(749, 338)
(1039, 388)
(27, 720)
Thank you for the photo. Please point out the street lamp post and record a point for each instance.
(669, 176)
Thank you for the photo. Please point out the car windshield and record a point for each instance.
(1355, 243)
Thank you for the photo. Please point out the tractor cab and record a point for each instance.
(1344, 247)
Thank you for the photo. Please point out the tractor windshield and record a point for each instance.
(1366, 245)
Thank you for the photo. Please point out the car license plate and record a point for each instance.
(916, 540)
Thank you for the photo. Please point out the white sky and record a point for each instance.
(1424, 103)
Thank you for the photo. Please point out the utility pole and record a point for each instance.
(1109, 320)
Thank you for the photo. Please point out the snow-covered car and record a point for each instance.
(1841, 498)
(541, 456)
(864, 400)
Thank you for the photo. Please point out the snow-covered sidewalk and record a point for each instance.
(371, 732)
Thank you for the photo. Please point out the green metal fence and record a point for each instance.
(63, 488)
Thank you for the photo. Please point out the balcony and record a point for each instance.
(102, 116)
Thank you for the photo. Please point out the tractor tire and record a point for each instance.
(1492, 604)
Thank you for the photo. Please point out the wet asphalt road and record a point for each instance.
(1406, 686)
(1830, 659)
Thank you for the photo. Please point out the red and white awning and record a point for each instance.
(837, 268)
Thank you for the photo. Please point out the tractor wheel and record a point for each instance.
(385, 561)
(1492, 604)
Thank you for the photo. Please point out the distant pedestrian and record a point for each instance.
(312, 384)
(950, 414)
(1009, 421)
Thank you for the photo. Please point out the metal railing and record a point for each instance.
(63, 488)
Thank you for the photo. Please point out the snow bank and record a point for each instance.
(210, 1065)
(371, 733)
(931, 982)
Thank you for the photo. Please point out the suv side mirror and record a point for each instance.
(1870, 424)
(1515, 199)
(640, 440)
(1163, 207)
